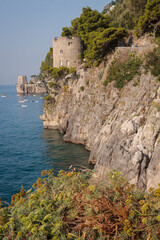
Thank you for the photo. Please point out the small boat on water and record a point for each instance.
(24, 105)
(21, 101)
(3, 94)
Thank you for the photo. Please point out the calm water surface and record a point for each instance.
(26, 148)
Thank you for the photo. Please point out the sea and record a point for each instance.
(26, 148)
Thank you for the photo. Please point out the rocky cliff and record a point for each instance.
(121, 127)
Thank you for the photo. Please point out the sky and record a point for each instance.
(27, 28)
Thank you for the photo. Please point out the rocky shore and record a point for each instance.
(120, 127)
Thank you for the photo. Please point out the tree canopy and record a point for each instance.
(150, 20)
(101, 43)
(96, 34)
(48, 63)
(127, 12)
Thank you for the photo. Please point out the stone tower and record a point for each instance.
(22, 80)
(67, 52)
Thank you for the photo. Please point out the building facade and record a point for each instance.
(67, 52)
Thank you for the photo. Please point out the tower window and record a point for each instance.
(67, 62)
(60, 63)
(69, 43)
(61, 51)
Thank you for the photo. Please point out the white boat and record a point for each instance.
(24, 105)
(21, 101)
(3, 96)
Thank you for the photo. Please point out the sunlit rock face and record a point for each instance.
(121, 128)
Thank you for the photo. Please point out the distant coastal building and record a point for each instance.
(22, 80)
(32, 87)
(67, 52)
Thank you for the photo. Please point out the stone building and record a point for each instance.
(23, 87)
(67, 52)
(22, 80)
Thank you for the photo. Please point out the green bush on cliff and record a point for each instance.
(47, 63)
(153, 62)
(123, 72)
(69, 207)
(61, 71)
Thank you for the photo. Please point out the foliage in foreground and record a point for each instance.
(69, 207)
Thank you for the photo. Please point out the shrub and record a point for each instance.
(101, 74)
(123, 72)
(87, 82)
(153, 62)
(68, 207)
(82, 88)
(65, 88)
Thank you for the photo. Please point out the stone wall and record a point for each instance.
(66, 52)
(23, 87)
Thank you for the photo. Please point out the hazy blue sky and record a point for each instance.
(27, 28)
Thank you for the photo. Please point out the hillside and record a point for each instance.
(111, 105)
(117, 120)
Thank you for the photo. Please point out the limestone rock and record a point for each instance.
(121, 128)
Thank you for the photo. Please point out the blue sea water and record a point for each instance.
(26, 148)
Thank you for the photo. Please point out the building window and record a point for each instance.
(60, 63)
(61, 51)
(69, 43)
(67, 62)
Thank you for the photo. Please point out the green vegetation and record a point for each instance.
(61, 72)
(150, 20)
(122, 72)
(82, 88)
(153, 62)
(69, 207)
(126, 13)
(97, 36)
(48, 100)
(47, 68)
(48, 63)
(101, 74)
(54, 85)
(102, 43)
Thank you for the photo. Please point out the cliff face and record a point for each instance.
(120, 127)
